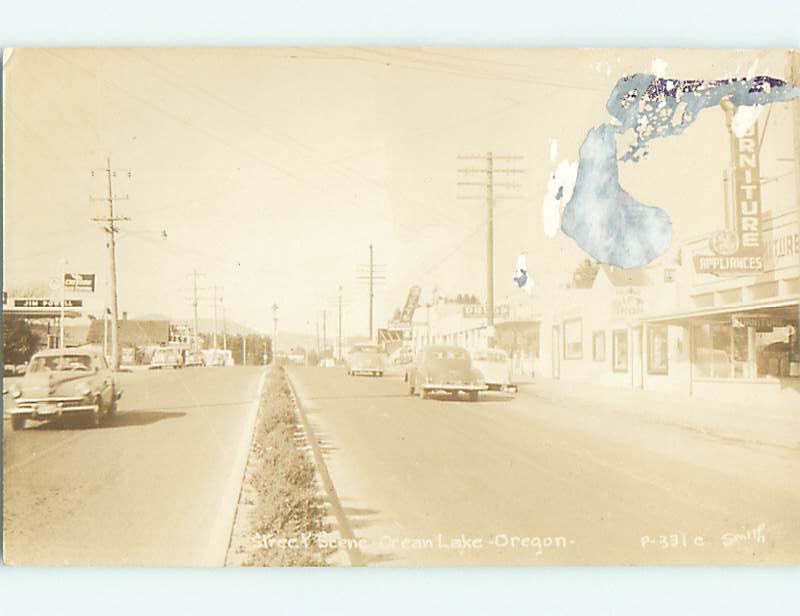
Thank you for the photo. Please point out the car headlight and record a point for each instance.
(85, 390)
(15, 391)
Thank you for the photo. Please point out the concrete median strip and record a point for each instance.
(284, 515)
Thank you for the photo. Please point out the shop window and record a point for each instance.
(657, 350)
(713, 349)
(573, 339)
(599, 346)
(620, 350)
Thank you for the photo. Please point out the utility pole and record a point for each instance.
(195, 274)
(324, 330)
(339, 354)
(274, 330)
(489, 184)
(63, 301)
(215, 289)
(368, 276)
(110, 228)
(224, 325)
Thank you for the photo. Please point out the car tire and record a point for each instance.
(473, 396)
(411, 389)
(18, 422)
(112, 407)
(424, 393)
(380, 373)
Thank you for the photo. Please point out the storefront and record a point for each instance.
(740, 332)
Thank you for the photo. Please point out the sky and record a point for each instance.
(271, 171)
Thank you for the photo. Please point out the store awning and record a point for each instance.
(789, 307)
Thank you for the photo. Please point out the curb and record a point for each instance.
(240, 466)
(351, 549)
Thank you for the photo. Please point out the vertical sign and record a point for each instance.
(739, 250)
(747, 196)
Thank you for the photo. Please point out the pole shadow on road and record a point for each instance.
(363, 518)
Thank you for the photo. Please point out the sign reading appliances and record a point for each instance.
(739, 250)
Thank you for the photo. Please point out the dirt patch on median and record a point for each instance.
(281, 513)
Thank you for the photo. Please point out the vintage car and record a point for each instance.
(194, 358)
(364, 359)
(495, 367)
(402, 356)
(166, 358)
(444, 368)
(59, 383)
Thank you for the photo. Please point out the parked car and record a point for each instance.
(495, 367)
(166, 358)
(444, 368)
(364, 359)
(59, 383)
(402, 356)
(194, 358)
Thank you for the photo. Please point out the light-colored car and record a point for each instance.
(365, 359)
(64, 382)
(444, 368)
(495, 367)
(194, 358)
(166, 358)
(401, 356)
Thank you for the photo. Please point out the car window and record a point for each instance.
(53, 363)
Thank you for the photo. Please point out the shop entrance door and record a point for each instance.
(556, 351)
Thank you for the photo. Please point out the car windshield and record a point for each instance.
(447, 354)
(61, 363)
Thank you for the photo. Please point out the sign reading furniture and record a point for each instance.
(739, 250)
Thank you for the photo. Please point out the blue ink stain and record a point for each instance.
(606, 221)
(560, 193)
(522, 279)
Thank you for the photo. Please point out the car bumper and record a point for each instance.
(452, 387)
(45, 411)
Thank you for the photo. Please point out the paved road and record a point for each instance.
(157, 486)
(539, 482)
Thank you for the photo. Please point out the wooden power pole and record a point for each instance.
(110, 227)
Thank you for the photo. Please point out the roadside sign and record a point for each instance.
(47, 303)
(79, 282)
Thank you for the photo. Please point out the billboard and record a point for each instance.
(412, 302)
(79, 282)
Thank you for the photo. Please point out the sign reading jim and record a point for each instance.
(79, 282)
(739, 250)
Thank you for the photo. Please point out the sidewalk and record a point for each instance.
(778, 426)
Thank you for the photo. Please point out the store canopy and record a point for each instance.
(787, 308)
